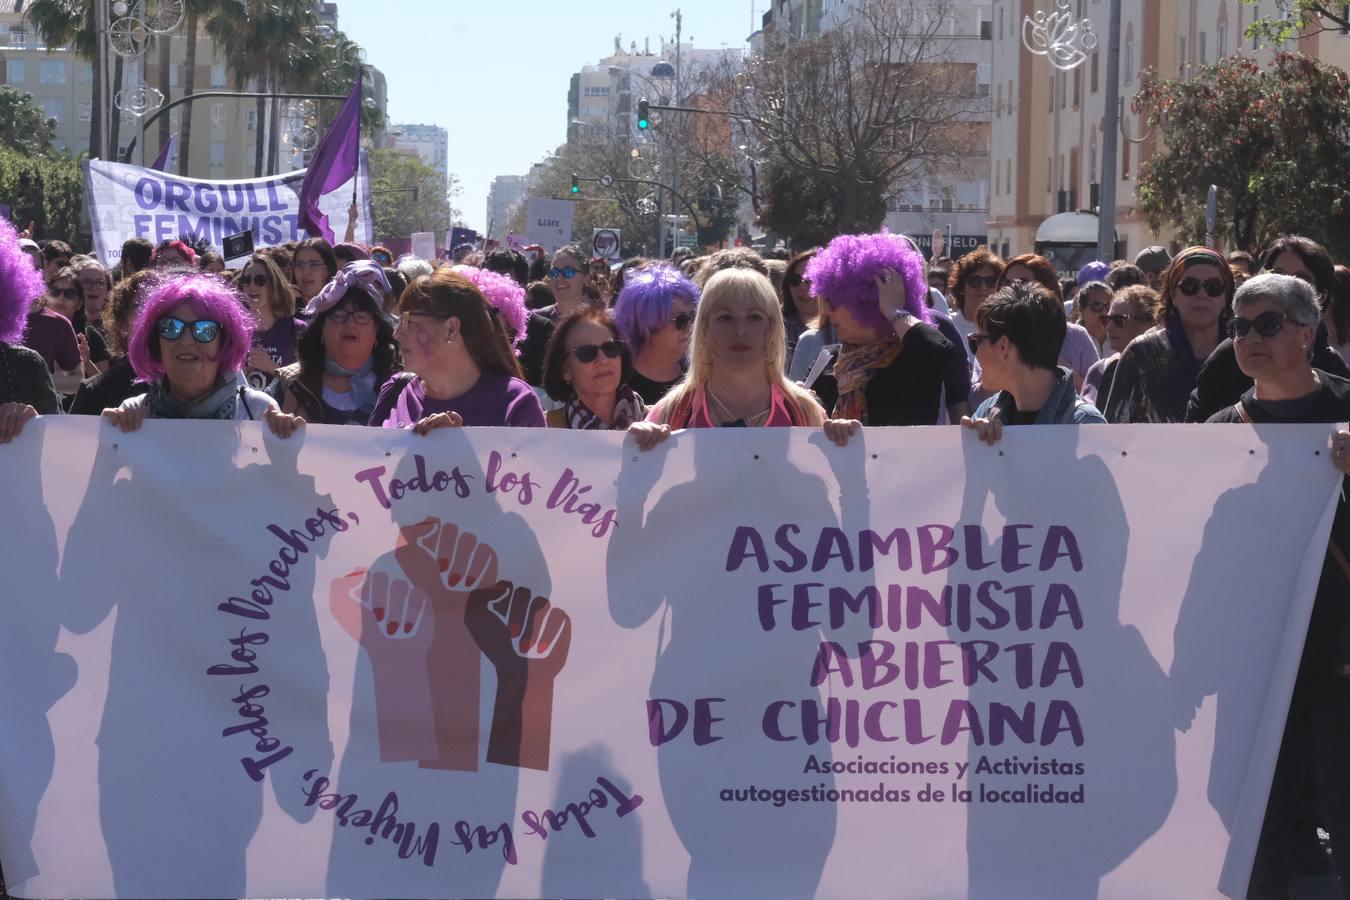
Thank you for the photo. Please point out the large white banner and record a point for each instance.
(533, 663)
(127, 201)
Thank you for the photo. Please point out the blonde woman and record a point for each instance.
(736, 376)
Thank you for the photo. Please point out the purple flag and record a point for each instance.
(164, 153)
(334, 163)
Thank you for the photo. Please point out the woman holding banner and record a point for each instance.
(1274, 328)
(189, 344)
(25, 384)
(460, 368)
(347, 353)
(736, 377)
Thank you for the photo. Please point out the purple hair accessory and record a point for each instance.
(845, 274)
(1093, 271)
(211, 298)
(643, 307)
(20, 285)
(361, 273)
(504, 294)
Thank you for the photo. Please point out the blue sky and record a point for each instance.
(495, 75)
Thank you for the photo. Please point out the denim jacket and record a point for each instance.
(1062, 407)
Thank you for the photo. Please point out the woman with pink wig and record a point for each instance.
(890, 368)
(25, 384)
(189, 344)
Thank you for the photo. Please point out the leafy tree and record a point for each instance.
(23, 127)
(70, 23)
(408, 195)
(1275, 141)
(872, 107)
(46, 189)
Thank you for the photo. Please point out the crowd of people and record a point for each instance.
(860, 332)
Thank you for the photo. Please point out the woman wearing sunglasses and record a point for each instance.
(277, 331)
(1133, 311)
(25, 383)
(568, 276)
(1221, 381)
(189, 344)
(1274, 325)
(459, 365)
(1156, 373)
(655, 315)
(586, 369)
(799, 307)
(347, 353)
(972, 281)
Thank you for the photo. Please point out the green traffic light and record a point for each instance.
(575, 189)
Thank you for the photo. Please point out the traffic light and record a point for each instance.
(644, 117)
(576, 188)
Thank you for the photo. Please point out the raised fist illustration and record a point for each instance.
(392, 620)
(526, 639)
(448, 564)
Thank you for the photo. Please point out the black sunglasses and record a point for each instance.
(204, 331)
(1190, 286)
(587, 353)
(982, 281)
(65, 293)
(683, 321)
(796, 280)
(258, 280)
(1268, 324)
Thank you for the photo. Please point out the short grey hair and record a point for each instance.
(412, 268)
(1293, 296)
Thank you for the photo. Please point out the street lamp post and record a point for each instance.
(1066, 44)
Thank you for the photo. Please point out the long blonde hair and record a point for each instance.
(722, 288)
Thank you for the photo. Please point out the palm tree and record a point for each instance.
(198, 12)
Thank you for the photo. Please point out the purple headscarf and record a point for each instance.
(362, 274)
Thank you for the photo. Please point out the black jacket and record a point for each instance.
(909, 392)
(107, 390)
(1221, 382)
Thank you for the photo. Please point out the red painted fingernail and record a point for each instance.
(524, 646)
(444, 564)
(543, 646)
(379, 615)
(514, 630)
(355, 572)
(392, 628)
(453, 579)
(468, 581)
(407, 626)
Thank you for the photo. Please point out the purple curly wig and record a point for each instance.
(503, 294)
(212, 299)
(644, 304)
(20, 285)
(844, 275)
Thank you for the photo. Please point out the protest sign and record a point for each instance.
(127, 201)
(517, 662)
(549, 223)
(424, 244)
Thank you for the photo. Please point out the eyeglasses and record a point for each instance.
(587, 353)
(343, 316)
(1190, 286)
(975, 339)
(1120, 319)
(981, 281)
(683, 321)
(204, 331)
(258, 280)
(567, 272)
(63, 293)
(1268, 324)
(796, 280)
(405, 319)
(1098, 308)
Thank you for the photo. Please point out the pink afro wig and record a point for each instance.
(504, 294)
(20, 285)
(212, 299)
(844, 274)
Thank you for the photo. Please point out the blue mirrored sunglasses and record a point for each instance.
(204, 331)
